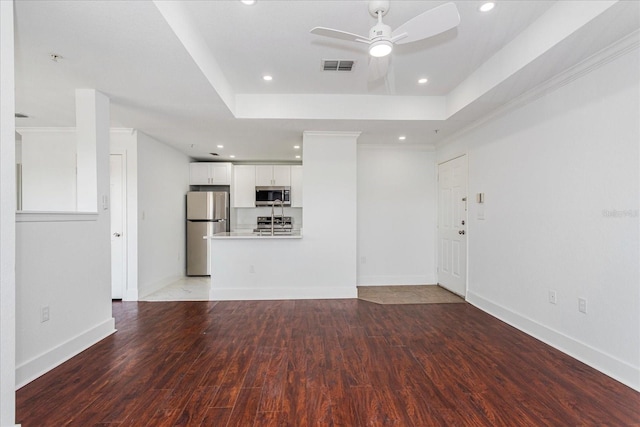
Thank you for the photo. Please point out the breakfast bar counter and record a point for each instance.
(249, 266)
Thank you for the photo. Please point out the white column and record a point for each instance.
(329, 191)
(92, 127)
(7, 219)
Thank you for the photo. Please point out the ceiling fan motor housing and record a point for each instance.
(380, 32)
(376, 7)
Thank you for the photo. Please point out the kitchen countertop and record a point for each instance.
(249, 234)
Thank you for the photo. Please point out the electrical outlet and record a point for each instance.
(252, 269)
(44, 314)
(552, 297)
(582, 305)
(363, 260)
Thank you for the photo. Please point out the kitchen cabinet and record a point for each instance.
(210, 173)
(270, 175)
(244, 186)
(296, 186)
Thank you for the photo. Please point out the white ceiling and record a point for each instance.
(189, 73)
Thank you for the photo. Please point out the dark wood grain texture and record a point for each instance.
(321, 363)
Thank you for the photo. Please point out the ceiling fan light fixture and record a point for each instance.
(380, 48)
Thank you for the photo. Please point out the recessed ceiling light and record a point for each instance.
(248, 2)
(423, 80)
(267, 78)
(232, 156)
(297, 147)
(402, 138)
(220, 146)
(297, 157)
(486, 7)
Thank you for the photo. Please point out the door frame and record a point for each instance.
(466, 273)
(125, 233)
(124, 141)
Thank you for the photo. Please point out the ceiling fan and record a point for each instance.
(381, 39)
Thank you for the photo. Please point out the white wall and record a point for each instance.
(48, 169)
(63, 262)
(7, 217)
(163, 181)
(329, 191)
(396, 212)
(552, 171)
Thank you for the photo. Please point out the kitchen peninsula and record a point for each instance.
(248, 266)
(318, 264)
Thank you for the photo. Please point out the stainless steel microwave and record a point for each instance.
(268, 196)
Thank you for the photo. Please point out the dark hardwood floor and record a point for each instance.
(321, 363)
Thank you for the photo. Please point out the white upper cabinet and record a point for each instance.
(282, 175)
(244, 186)
(296, 186)
(210, 173)
(270, 175)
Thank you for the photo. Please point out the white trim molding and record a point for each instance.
(250, 294)
(34, 368)
(605, 363)
(623, 46)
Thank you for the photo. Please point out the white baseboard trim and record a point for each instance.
(394, 280)
(130, 295)
(252, 294)
(617, 369)
(146, 290)
(40, 365)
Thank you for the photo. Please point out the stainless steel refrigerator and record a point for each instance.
(207, 214)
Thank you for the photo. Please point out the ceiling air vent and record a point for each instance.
(337, 65)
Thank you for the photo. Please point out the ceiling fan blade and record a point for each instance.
(429, 23)
(337, 34)
(390, 81)
(378, 67)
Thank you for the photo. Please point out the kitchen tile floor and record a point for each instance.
(413, 294)
(198, 289)
(185, 289)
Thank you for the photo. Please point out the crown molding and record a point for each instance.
(398, 147)
(620, 48)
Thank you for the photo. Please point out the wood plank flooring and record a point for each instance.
(321, 363)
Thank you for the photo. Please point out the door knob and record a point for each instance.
(116, 234)
(461, 232)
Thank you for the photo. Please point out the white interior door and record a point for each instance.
(452, 219)
(118, 251)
